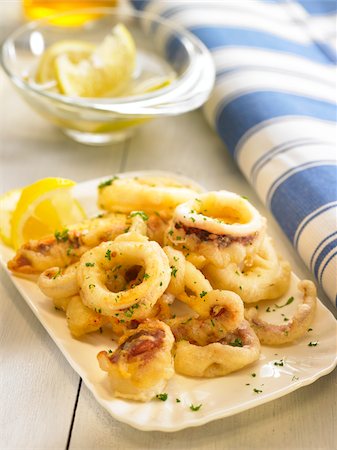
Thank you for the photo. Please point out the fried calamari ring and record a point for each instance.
(270, 334)
(221, 226)
(177, 264)
(59, 283)
(222, 312)
(267, 277)
(102, 263)
(61, 304)
(157, 224)
(147, 194)
(68, 246)
(233, 352)
(187, 282)
(82, 320)
(142, 364)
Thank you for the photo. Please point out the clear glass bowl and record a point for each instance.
(164, 50)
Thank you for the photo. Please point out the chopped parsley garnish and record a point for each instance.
(236, 343)
(202, 294)
(108, 254)
(309, 329)
(268, 309)
(142, 214)
(69, 250)
(294, 378)
(170, 232)
(254, 375)
(107, 182)
(290, 300)
(178, 400)
(186, 321)
(162, 397)
(57, 274)
(195, 408)
(258, 391)
(129, 312)
(174, 271)
(212, 322)
(243, 196)
(89, 264)
(91, 286)
(146, 276)
(313, 344)
(62, 236)
(279, 363)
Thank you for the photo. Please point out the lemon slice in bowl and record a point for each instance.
(44, 207)
(8, 202)
(76, 51)
(105, 71)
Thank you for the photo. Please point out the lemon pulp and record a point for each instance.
(44, 207)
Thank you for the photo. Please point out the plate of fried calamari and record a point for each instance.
(172, 302)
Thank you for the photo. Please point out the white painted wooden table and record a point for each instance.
(43, 404)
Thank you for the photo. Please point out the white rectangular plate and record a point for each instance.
(219, 397)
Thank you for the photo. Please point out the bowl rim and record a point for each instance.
(147, 103)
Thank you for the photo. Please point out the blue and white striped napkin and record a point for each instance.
(274, 106)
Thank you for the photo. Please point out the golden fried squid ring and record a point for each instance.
(177, 265)
(270, 334)
(221, 226)
(67, 246)
(82, 320)
(59, 283)
(142, 364)
(233, 352)
(267, 277)
(222, 312)
(147, 194)
(187, 282)
(100, 264)
(157, 224)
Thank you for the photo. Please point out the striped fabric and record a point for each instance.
(274, 106)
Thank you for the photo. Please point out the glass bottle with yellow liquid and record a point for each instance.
(36, 9)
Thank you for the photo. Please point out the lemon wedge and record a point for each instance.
(8, 202)
(44, 207)
(105, 71)
(76, 51)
